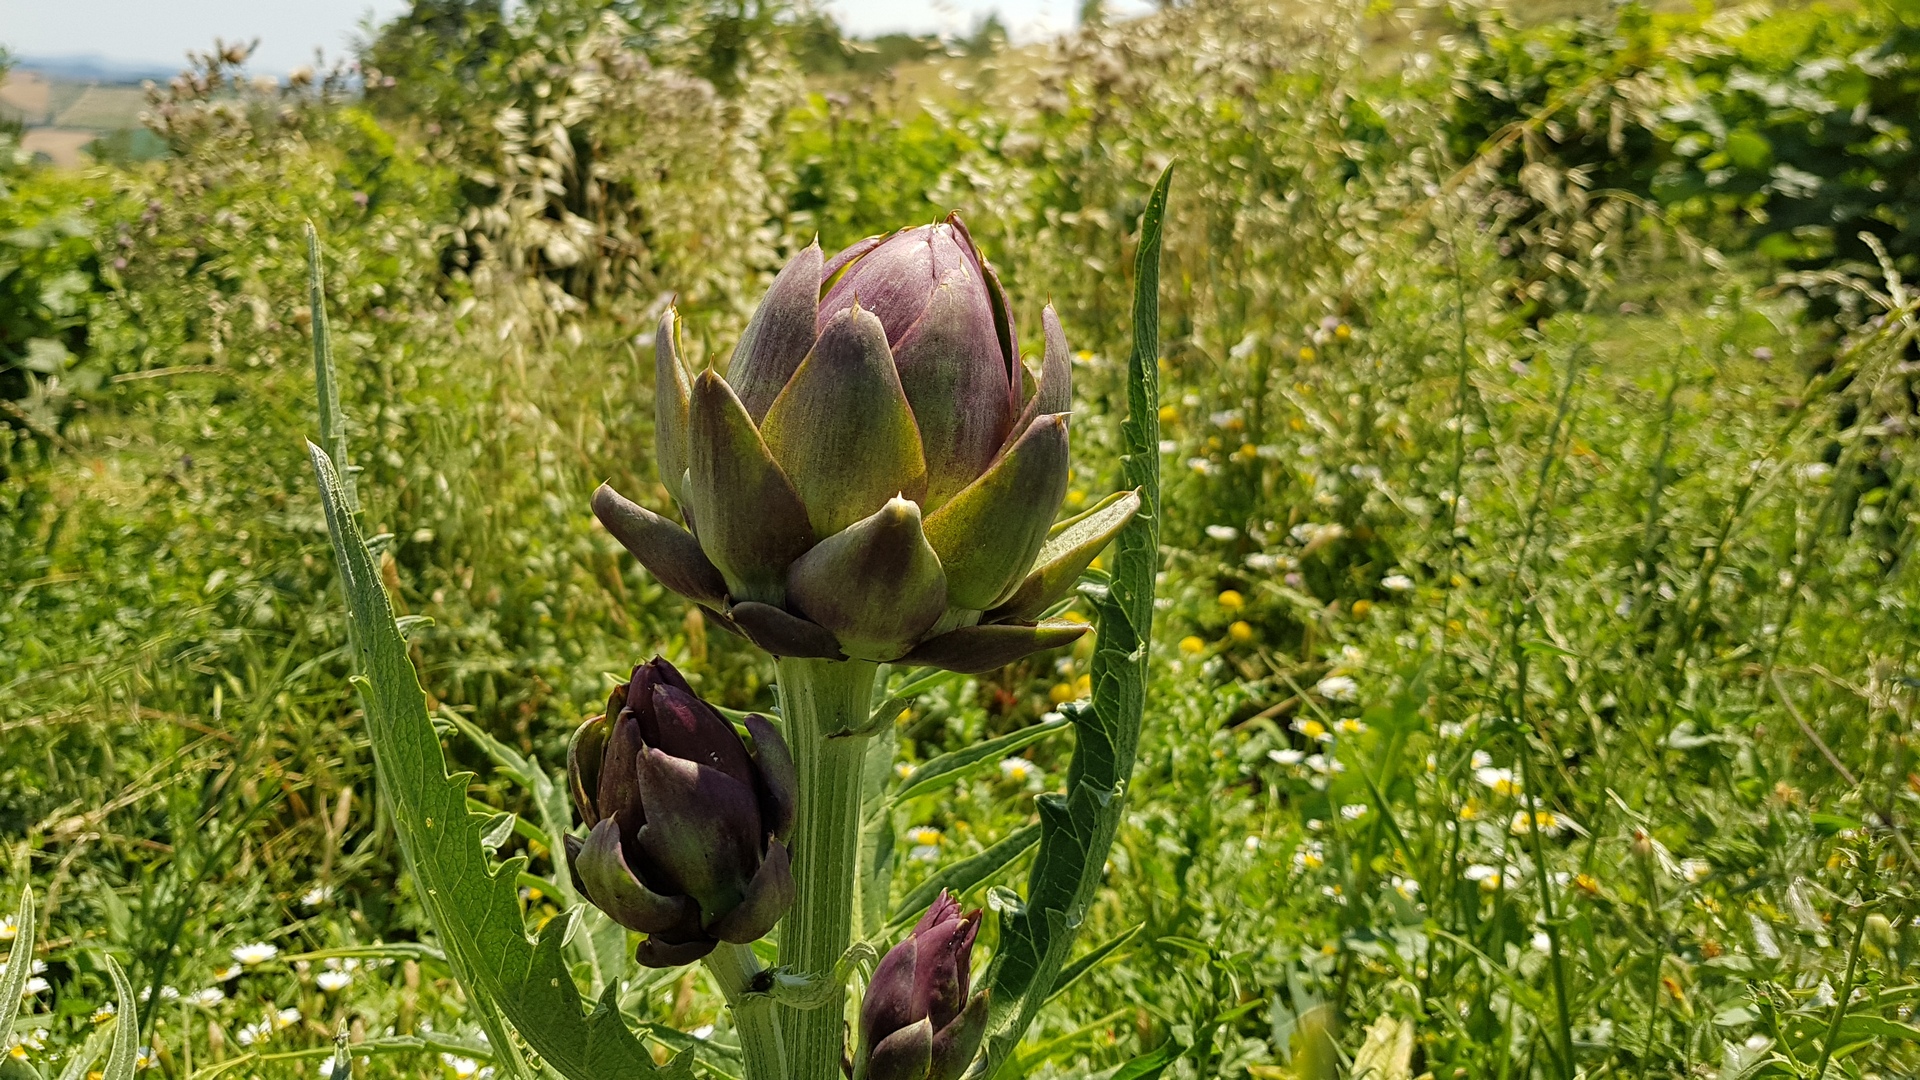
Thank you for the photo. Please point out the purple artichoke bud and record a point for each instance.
(918, 1022)
(686, 823)
(947, 322)
(876, 477)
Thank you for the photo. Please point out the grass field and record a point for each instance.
(64, 116)
(1532, 691)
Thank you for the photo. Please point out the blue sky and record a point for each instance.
(159, 32)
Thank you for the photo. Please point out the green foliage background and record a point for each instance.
(1537, 439)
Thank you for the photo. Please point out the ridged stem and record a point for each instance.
(735, 968)
(823, 703)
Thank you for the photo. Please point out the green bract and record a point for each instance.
(877, 475)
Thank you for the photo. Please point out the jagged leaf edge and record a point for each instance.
(1077, 828)
(474, 909)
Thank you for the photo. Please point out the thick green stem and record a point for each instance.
(824, 704)
(737, 971)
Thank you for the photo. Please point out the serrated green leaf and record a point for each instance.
(962, 876)
(13, 984)
(473, 907)
(952, 768)
(1077, 828)
(548, 797)
(597, 941)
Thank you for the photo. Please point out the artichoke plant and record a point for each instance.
(917, 1021)
(876, 477)
(687, 823)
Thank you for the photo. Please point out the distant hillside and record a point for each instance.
(65, 104)
(94, 68)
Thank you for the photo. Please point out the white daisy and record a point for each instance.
(253, 1033)
(1337, 688)
(1549, 823)
(1396, 583)
(1018, 769)
(255, 954)
(333, 981)
(1500, 780)
(207, 998)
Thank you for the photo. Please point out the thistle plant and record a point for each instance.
(875, 481)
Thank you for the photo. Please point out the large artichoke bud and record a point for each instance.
(877, 474)
(687, 822)
(917, 1021)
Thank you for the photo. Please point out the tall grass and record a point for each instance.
(1534, 683)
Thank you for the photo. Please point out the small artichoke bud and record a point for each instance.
(687, 824)
(876, 475)
(918, 1021)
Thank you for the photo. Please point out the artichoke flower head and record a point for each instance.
(687, 824)
(876, 476)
